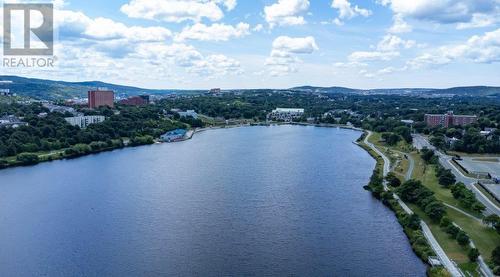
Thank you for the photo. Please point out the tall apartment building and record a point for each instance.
(449, 119)
(98, 98)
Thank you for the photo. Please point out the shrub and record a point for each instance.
(27, 158)
(462, 238)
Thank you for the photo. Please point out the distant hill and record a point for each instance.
(52, 90)
(460, 91)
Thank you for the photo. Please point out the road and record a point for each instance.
(447, 263)
(419, 142)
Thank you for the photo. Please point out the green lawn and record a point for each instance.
(486, 239)
(451, 247)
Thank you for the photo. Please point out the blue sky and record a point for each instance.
(276, 43)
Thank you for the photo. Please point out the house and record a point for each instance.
(11, 121)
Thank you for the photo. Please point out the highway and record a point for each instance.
(419, 142)
(447, 263)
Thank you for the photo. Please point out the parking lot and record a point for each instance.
(490, 165)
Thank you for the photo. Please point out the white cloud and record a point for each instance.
(286, 12)
(361, 56)
(479, 20)
(399, 25)
(177, 10)
(478, 49)
(258, 28)
(447, 11)
(347, 11)
(392, 43)
(77, 25)
(283, 58)
(305, 45)
(215, 32)
(188, 57)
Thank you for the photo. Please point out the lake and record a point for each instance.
(254, 201)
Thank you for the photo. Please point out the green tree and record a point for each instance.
(462, 238)
(27, 158)
(495, 256)
(446, 179)
(393, 180)
(473, 254)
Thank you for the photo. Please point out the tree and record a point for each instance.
(427, 155)
(473, 254)
(393, 180)
(391, 138)
(404, 132)
(446, 179)
(413, 222)
(27, 158)
(495, 256)
(494, 221)
(462, 238)
(435, 210)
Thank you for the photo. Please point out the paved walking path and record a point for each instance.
(447, 263)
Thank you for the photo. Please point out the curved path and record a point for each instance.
(447, 263)
(419, 142)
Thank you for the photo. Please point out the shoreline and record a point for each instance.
(61, 155)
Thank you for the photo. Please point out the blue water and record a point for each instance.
(256, 201)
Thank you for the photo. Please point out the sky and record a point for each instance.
(231, 44)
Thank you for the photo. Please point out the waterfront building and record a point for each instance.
(172, 136)
(286, 114)
(84, 121)
(98, 98)
(449, 119)
(140, 100)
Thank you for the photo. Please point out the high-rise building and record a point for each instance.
(98, 98)
(449, 120)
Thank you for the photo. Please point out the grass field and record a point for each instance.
(485, 239)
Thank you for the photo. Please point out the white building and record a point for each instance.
(84, 121)
(286, 114)
(188, 113)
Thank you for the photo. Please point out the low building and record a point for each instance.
(84, 121)
(188, 113)
(286, 114)
(172, 136)
(215, 91)
(140, 100)
(449, 119)
(60, 109)
(11, 121)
